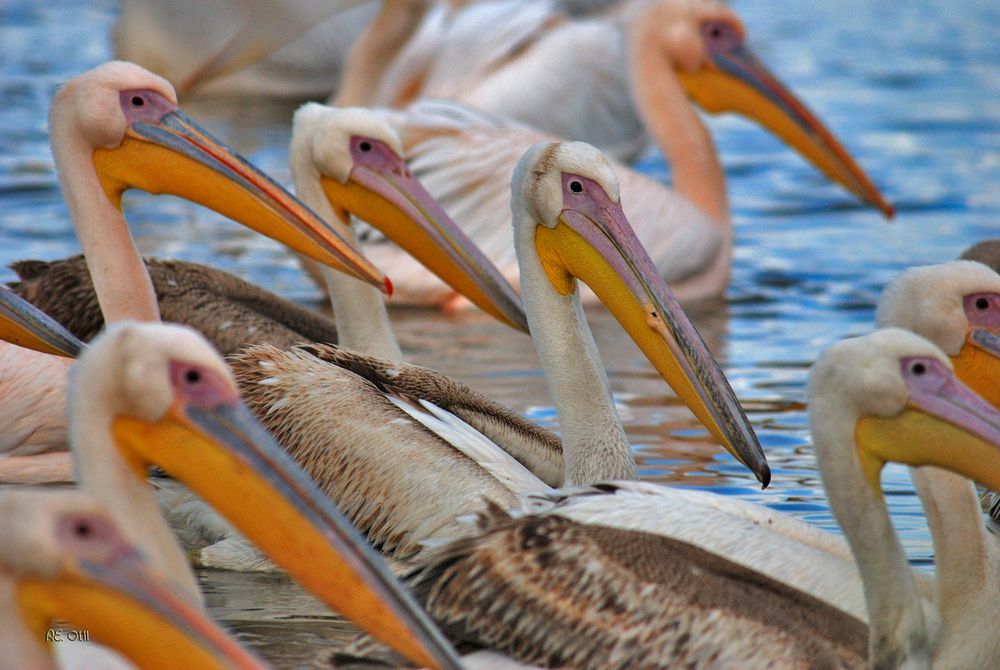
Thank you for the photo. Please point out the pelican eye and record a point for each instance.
(137, 101)
(82, 529)
(982, 303)
(576, 186)
(192, 376)
(365, 146)
(918, 369)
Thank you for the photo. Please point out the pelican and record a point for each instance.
(631, 66)
(556, 591)
(155, 394)
(64, 558)
(570, 225)
(376, 186)
(349, 164)
(118, 127)
(945, 303)
(505, 66)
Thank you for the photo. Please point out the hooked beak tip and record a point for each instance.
(387, 287)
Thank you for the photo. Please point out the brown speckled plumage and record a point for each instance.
(554, 592)
(231, 312)
(338, 426)
(536, 448)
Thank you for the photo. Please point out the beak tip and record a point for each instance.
(387, 287)
(764, 477)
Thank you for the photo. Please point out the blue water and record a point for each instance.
(912, 89)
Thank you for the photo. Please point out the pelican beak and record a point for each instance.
(122, 603)
(228, 458)
(947, 426)
(978, 363)
(25, 325)
(176, 156)
(600, 249)
(383, 192)
(734, 80)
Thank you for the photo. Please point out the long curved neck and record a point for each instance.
(966, 558)
(121, 281)
(595, 447)
(671, 119)
(358, 308)
(104, 473)
(898, 629)
(18, 642)
(375, 49)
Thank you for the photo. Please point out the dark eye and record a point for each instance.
(137, 101)
(982, 303)
(365, 146)
(82, 529)
(576, 187)
(918, 369)
(715, 32)
(192, 376)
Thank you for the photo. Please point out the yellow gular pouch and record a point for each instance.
(412, 235)
(112, 619)
(566, 255)
(273, 521)
(155, 169)
(916, 438)
(979, 370)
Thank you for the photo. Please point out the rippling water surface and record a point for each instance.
(913, 90)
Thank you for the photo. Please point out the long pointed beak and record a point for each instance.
(978, 364)
(602, 251)
(226, 456)
(178, 157)
(25, 325)
(393, 201)
(949, 427)
(737, 81)
(123, 604)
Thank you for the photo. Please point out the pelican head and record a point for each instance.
(566, 203)
(172, 402)
(703, 41)
(126, 121)
(358, 161)
(68, 561)
(957, 307)
(895, 396)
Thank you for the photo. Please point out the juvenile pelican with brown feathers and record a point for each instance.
(584, 595)
(153, 394)
(372, 183)
(404, 484)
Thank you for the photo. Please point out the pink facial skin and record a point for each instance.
(144, 105)
(199, 387)
(983, 313)
(92, 539)
(935, 390)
